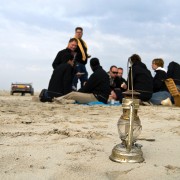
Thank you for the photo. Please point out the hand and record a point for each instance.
(79, 74)
(123, 85)
(113, 95)
(84, 83)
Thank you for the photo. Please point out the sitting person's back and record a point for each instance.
(142, 78)
(95, 89)
(174, 72)
(98, 82)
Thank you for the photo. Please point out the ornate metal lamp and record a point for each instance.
(129, 127)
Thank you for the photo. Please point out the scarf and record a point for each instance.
(81, 48)
(162, 69)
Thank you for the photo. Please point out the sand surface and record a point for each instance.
(69, 141)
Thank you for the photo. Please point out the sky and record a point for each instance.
(33, 32)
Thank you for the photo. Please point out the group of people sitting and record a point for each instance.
(153, 90)
(104, 86)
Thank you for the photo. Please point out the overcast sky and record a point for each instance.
(32, 32)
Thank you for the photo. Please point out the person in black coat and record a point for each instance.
(95, 89)
(141, 80)
(61, 79)
(115, 84)
(174, 72)
(160, 76)
(160, 91)
(72, 45)
(122, 80)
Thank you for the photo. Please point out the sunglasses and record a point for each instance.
(114, 72)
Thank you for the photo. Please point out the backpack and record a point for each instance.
(44, 97)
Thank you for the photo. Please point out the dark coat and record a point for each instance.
(98, 84)
(61, 80)
(115, 85)
(142, 80)
(122, 80)
(158, 81)
(60, 57)
(174, 72)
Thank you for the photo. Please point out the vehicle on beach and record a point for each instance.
(22, 88)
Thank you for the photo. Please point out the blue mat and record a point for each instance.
(116, 103)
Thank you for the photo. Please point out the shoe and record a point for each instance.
(145, 103)
(166, 102)
(74, 88)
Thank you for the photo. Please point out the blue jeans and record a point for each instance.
(83, 78)
(178, 86)
(157, 97)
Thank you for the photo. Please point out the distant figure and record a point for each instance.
(123, 81)
(160, 91)
(95, 89)
(61, 79)
(115, 84)
(142, 78)
(80, 59)
(174, 73)
(72, 45)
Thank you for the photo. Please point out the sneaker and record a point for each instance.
(74, 88)
(145, 103)
(166, 102)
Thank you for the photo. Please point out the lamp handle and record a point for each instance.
(130, 134)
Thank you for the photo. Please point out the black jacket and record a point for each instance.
(142, 80)
(61, 80)
(174, 72)
(115, 85)
(158, 81)
(98, 84)
(60, 57)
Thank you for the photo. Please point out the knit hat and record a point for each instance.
(94, 62)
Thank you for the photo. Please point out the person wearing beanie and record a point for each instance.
(95, 89)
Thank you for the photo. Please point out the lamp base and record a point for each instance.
(120, 154)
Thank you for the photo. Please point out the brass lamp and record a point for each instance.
(129, 127)
(129, 124)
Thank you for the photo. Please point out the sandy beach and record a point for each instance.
(69, 141)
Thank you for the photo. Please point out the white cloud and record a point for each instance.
(32, 33)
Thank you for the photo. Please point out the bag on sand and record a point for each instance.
(43, 96)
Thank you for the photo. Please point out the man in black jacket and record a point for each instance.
(116, 84)
(95, 89)
(72, 45)
(122, 80)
